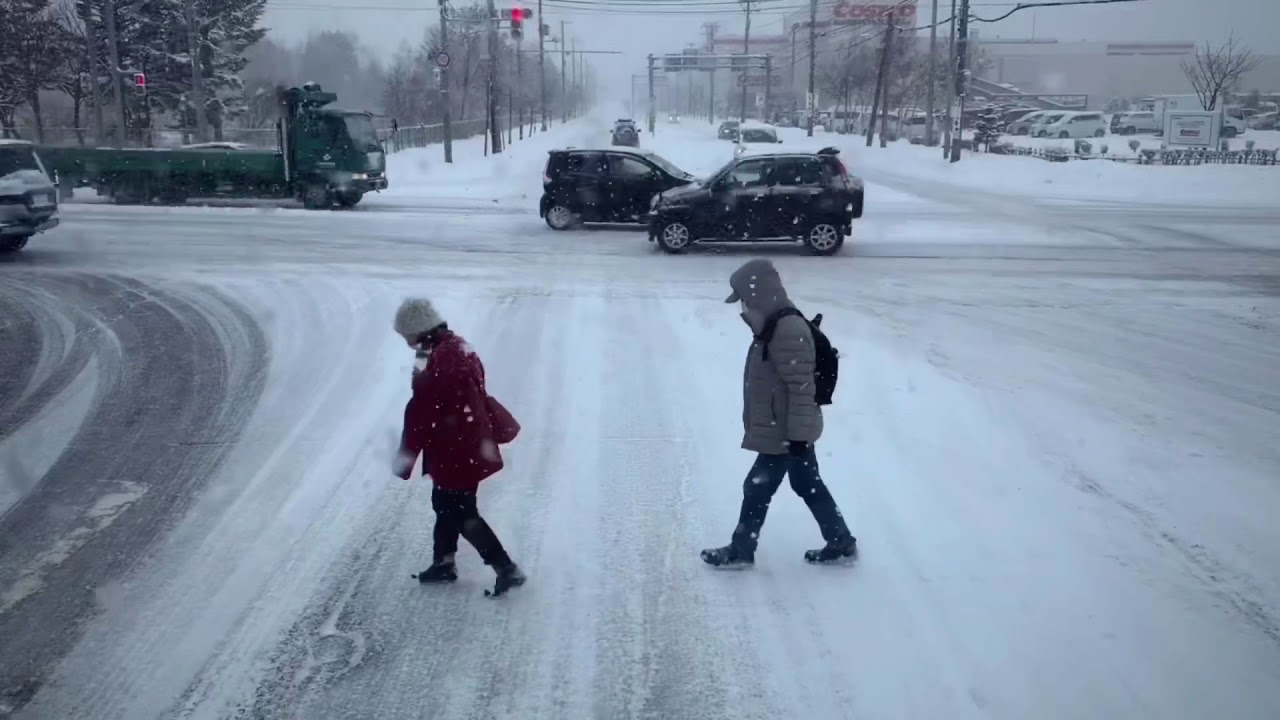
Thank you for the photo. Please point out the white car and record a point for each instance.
(1132, 123)
(1039, 124)
(28, 198)
(1023, 124)
(1076, 125)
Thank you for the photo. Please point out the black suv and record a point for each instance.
(612, 186)
(625, 132)
(728, 130)
(780, 196)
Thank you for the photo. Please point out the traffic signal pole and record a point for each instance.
(447, 115)
(542, 69)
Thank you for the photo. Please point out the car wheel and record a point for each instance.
(1229, 132)
(823, 238)
(349, 199)
(559, 217)
(1064, 135)
(1023, 131)
(675, 237)
(1099, 133)
(14, 244)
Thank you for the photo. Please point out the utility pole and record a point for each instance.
(882, 91)
(813, 62)
(951, 83)
(542, 68)
(933, 77)
(447, 114)
(962, 71)
(746, 50)
(792, 82)
(91, 47)
(768, 87)
(518, 99)
(113, 57)
(889, 31)
(711, 29)
(652, 108)
(197, 75)
(564, 86)
(495, 132)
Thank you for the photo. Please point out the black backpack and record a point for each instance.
(826, 366)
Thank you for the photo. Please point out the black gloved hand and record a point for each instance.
(798, 447)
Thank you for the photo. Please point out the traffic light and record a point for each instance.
(140, 82)
(518, 16)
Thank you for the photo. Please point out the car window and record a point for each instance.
(797, 171)
(17, 157)
(584, 163)
(750, 173)
(624, 166)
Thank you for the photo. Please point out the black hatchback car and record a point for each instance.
(808, 197)
(604, 186)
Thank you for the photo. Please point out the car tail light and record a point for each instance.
(546, 178)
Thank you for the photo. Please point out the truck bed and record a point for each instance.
(144, 174)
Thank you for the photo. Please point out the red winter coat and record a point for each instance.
(450, 420)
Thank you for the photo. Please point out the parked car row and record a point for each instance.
(789, 197)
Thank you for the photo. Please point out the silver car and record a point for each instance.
(28, 198)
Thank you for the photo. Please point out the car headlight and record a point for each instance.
(359, 176)
(654, 202)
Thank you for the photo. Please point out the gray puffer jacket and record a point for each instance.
(777, 393)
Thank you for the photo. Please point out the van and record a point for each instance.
(1076, 125)
(28, 198)
(1132, 123)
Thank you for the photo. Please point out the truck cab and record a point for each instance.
(331, 156)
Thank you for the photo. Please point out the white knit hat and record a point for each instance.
(415, 317)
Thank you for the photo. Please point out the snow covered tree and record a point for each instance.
(226, 29)
(32, 47)
(987, 127)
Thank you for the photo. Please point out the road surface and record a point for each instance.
(1057, 436)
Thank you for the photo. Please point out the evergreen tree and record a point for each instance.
(987, 127)
(32, 46)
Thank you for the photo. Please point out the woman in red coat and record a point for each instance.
(453, 423)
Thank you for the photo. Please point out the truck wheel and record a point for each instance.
(349, 199)
(14, 244)
(1228, 132)
(317, 197)
(824, 238)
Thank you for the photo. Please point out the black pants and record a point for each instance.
(456, 514)
(764, 480)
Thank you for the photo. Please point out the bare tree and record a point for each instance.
(1214, 71)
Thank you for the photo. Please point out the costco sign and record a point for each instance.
(857, 13)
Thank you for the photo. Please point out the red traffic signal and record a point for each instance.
(140, 80)
(518, 16)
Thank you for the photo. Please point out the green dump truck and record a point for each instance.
(324, 158)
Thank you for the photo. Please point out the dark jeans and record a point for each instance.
(456, 514)
(764, 480)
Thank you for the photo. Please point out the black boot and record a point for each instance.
(439, 572)
(729, 557)
(509, 576)
(834, 552)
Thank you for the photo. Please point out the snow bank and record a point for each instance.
(512, 176)
(1226, 185)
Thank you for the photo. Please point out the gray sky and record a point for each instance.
(603, 25)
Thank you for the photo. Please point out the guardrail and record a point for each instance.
(420, 136)
(1148, 157)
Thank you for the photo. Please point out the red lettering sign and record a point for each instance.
(849, 13)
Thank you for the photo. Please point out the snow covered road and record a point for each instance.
(1057, 436)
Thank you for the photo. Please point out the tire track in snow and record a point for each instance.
(172, 393)
(248, 555)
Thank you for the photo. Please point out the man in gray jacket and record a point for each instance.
(781, 419)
